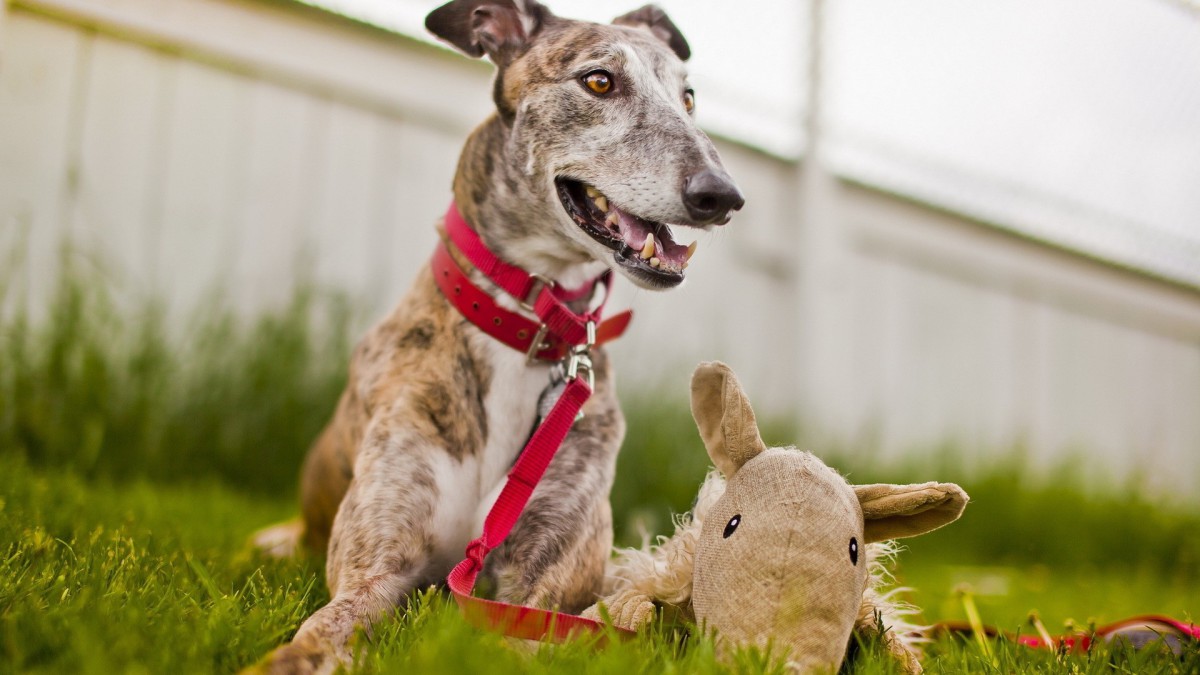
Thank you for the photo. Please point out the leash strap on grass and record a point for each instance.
(515, 620)
(1139, 631)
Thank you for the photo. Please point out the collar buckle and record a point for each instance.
(540, 283)
(537, 344)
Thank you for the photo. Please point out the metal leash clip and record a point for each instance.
(579, 360)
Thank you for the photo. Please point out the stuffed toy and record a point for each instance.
(780, 552)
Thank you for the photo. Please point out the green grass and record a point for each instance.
(135, 460)
(104, 577)
(136, 577)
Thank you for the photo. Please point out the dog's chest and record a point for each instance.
(511, 406)
(470, 487)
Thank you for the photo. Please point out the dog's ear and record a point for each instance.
(652, 17)
(502, 29)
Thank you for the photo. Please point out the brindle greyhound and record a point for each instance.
(591, 153)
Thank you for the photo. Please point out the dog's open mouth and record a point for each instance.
(645, 249)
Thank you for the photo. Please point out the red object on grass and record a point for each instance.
(1138, 631)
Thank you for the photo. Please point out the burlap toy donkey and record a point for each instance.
(779, 549)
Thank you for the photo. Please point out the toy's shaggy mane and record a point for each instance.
(664, 569)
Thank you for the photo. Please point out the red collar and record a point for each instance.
(555, 331)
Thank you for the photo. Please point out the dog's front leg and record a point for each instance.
(555, 556)
(379, 549)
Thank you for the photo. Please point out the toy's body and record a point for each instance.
(779, 550)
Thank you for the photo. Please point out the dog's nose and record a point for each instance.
(710, 196)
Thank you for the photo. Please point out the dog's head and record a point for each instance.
(598, 136)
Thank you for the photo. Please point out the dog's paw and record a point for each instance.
(296, 659)
(281, 540)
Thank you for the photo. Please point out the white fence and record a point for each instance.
(242, 143)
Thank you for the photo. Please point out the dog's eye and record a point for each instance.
(599, 81)
(732, 525)
(689, 100)
(853, 551)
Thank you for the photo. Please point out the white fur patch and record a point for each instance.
(638, 70)
(527, 21)
(511, 408)
(453, 518)
(468, 489)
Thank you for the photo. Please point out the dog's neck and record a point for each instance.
(502, 193)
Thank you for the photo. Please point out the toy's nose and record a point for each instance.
(710, 195)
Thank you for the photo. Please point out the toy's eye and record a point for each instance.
(853, 551)
(689, 100)
(599, 81)
(732, 525)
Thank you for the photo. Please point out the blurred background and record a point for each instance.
(970, 251)
(967, 223)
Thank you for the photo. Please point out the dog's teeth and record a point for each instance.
(648, 247)
(655, 262)
(592, 192)
(601, 202)
(613, 218)
(691, 250)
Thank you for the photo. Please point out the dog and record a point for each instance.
(592, 161)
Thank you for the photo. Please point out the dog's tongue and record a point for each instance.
(636, 234)
(633, 230)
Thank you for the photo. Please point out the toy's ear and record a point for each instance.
(724, 416)
(502, 29)
(652, 17)
(895, 511)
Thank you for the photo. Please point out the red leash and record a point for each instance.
(518, 621)
(1138, 631)
(559, 335)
